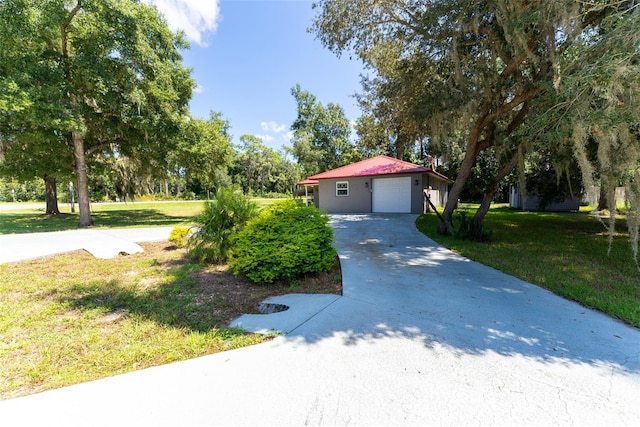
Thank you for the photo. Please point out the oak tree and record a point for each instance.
(90, 78)
(479, 70)
(320, 134)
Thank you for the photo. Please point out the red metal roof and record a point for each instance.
(379, 165)
(308, 182)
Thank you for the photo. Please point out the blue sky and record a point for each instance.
(246, 55)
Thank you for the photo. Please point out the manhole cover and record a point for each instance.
(268, 308)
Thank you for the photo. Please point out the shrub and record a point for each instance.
(180, 235)
(284, 241)
(470, 229)
(222, 218)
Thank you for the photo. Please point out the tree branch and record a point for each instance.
(64, 39)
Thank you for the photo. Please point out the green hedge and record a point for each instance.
(284, 241)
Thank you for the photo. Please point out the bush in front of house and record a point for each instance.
(222, 218)
(284, 241)
(180, 236)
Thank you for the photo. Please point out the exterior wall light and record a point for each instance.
(366, 184)
(415, 181)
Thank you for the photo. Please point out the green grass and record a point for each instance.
(115, 215)
(61, 325)
(565, 253)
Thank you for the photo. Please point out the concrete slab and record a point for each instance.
(102, 243)
(302, 307)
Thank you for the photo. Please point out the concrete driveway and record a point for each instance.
(420, 337)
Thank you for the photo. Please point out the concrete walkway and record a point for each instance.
(420, 337)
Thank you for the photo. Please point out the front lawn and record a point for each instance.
(61, 324)
(115, 215)
(565, 253)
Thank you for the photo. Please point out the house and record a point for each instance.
(531, 202)
(379, 184)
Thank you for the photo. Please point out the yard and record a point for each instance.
(61, 325)
(16, 219)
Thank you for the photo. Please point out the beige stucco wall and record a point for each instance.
(439, 189)
(358, 200)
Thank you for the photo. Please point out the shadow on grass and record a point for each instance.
(15, 223)
(180, 302)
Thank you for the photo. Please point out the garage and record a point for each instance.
(378, 184)
(392, 195)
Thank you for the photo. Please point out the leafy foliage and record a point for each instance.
(90, 78)
(552, 183)
(223, 217)
(320, 134)
(179, 236)
(203, 148)
(285, 241)
(261, 170)
(484, 71)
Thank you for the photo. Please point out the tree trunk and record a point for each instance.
(603, 203)
(401, 142)
(72, 197)
(446, 226)
(82, 180)
(493, 188)
(51, 195)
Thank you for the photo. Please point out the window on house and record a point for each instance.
(342, 188)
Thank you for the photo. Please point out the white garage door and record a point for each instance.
(392, 195)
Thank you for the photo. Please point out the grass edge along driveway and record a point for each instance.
(565, 253)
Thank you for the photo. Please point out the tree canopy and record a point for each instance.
(262, 170)
(482, 72)
(203, 149)
(320, 134)
(80, 79)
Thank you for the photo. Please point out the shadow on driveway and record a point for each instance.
(399, 283)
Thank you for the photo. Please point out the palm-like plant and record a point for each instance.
(222, 218)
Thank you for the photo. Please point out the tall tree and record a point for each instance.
(260, 169)
(483, 66)
(203, 148)
(103, 76)
(23, 160)
(391, 101)
(600, 102)
(320, 134)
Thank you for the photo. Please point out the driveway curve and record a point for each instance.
(421, 336)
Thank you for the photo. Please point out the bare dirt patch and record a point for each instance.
(237, 295)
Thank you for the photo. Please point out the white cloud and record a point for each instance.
(265, 138)
(194, 17)
(288, 136)
(198, 89)
(272, 127)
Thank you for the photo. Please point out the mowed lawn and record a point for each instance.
(566, 253)
(71, 318)
(16, 219)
